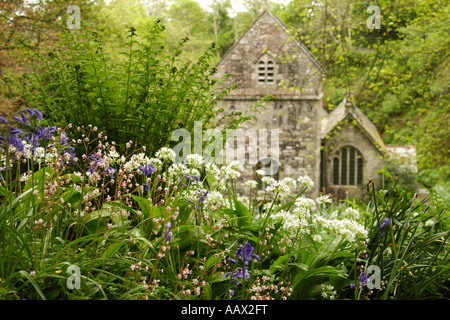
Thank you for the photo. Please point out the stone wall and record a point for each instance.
(297, 92)
(299, 138)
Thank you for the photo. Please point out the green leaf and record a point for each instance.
(112, 250)
(33, 282)
(212, 261)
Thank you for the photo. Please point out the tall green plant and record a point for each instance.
(143, 97)
(409, 242)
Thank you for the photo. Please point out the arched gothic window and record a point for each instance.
(266, 70)
(348, 167)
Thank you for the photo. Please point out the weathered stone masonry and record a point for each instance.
(267, 60)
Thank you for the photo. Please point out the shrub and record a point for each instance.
(144, 97)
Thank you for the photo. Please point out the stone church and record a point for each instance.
(339, 151)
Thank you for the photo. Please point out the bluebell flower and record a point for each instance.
(146, 187)
(363, 277)
(15, 131)
(96, 158)
(63, 139)
(110, 172)
(39, 115)
(45, 133)
(24, 119)
(192, 177)
(2, 119)
(30, 112)
(18, 119)
(245, 253)
(167, 233)
(16, 142)
(385, 222)
(32, 139)
(203, 197)
(147, 169)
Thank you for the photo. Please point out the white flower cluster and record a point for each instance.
(214, 199)
(194, 161)
(291, 222)
(283, 188)
(328, 291)
(324, 199)
(303, 207)
(179, 170)
(346, 228)
(232, 170)
(305, 182)
(134, 163)
(166, 154)
(351, 213)
(251, 184)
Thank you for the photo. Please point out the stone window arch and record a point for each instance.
(347, 167)
(266, 70)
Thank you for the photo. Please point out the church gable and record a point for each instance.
(347, 111)
(267, 60)
(352, 150)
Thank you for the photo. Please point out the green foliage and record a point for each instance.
(172, 238)
(398, 73)
(142, 98)
(409, 242)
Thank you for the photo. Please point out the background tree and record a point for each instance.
(398, 73)
(36, 26)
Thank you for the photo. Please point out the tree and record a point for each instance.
(35, 26)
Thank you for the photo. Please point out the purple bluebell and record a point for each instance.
(15, 131)
(2, 119)
(18, 119)
(45, 133)
(39, 115)
(30, 112)
(147, 169)
(16, 142)
(191, 177)
(24, 118)
(203, 197)
(363, 277)
(110, 172)
(95, 159)
(385, 222)
(245, 253)
(167, 233)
